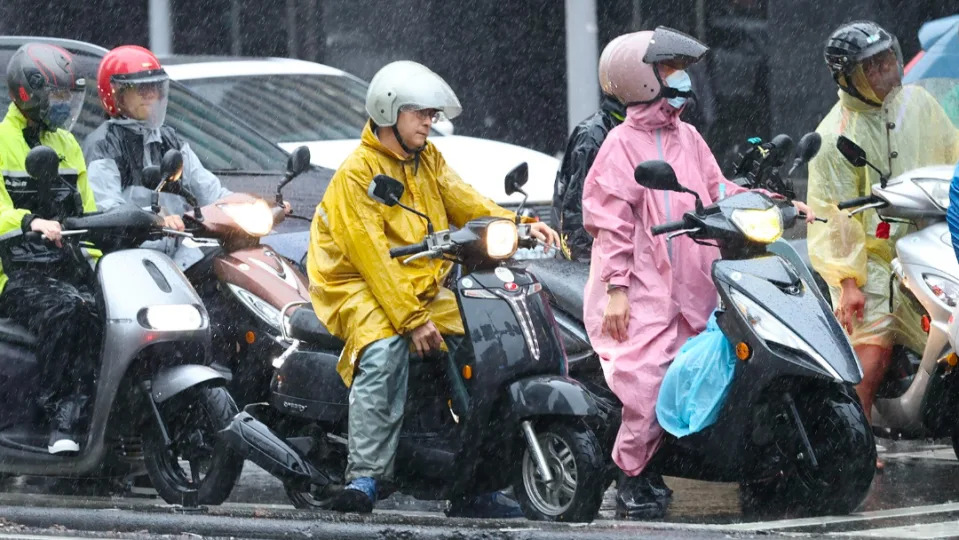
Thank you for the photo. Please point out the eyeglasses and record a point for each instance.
(433, 115)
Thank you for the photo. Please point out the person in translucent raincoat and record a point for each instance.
(900, 128)
(377, 305)
(647, 295)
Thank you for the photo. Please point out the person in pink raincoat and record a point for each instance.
(647, 295)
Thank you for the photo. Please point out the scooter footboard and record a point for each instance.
(253, 440)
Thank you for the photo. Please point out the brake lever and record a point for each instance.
(174, 232)
(431, 253)
(682, 232)
(876, 205)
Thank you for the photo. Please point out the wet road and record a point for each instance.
(913, 498)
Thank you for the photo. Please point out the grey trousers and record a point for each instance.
(377, 399)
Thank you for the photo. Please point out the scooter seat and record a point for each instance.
(565, 282)
(12, 332)
(305, 326)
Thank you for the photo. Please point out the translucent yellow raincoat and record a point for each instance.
(358, 291)
(910, 130)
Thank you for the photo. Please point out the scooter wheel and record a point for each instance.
(575, 459)
(192, 421)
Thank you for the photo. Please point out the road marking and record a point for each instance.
(852, 518)
(945, 529)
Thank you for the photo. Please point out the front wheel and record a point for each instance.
(575, 459)
(845, 451)
(193, 419)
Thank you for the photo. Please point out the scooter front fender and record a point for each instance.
(174, 380)
(550, 395)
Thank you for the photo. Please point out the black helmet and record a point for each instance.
(43, 83)
(853, 43)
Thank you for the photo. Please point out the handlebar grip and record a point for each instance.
(668, 227)
(412, 249)
(858, 201)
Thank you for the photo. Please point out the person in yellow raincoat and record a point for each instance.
(900, 128)
(377, 305)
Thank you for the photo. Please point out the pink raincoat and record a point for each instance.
(671, 294)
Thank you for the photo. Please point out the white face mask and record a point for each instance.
(679, 80)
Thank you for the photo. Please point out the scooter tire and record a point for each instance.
(846, 452)
(212, 406)
(572, 451)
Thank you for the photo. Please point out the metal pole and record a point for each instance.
(161, 31)
(236, 39)
(291, 42)
(582, 58)
(701, 20)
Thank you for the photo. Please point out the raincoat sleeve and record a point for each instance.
(203, 184)
(945, 131)
(357, 226)
(837, 248)
(608, 217)
(10, 217)
(464, 203)
(103, 177)
(952, 214)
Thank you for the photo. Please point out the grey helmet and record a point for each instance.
(44, 84)
(408, 84)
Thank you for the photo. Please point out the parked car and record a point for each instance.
(294, 102)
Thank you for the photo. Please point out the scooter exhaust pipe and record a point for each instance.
(253, 440)
(537, 451)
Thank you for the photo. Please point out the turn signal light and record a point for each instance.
(952, 359)
(743, 351)
(250, 338)
(926, 323)
(467, 372)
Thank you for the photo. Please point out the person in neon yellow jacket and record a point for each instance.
(900, 128)
(54, 302)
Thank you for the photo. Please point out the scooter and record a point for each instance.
(791, 430)
(157, 403)
(920, 386)
(499, 411)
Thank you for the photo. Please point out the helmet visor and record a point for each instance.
(143, 99)
(674, 48)
(63, 109)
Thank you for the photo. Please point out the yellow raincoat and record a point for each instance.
(358, 291)
(910, 130)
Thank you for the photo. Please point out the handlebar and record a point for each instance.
(858, 201)
(408, 250)
(668, 227)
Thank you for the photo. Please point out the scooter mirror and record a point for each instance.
(656, 174)
(517, 178)
(385, 190)
(298, 161)
(809, 146)
(43, 164)
(171, 166)
(853, 153)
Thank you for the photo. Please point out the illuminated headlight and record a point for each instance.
(263, 309)
(763, 226)
(770, 328)
(937, 190)
(255, 218)
(501, 239)
(946, 290)
(171, 318)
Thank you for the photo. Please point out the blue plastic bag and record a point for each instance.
(697, 382)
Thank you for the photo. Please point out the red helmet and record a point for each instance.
(127, 65)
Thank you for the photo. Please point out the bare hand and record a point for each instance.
(804, 208)
(544, 234)
(616, 316)
(49, 229)
(426, 338)
(852, 304)
(287, 208)
(174, 222)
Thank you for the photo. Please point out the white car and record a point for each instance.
(294, 103)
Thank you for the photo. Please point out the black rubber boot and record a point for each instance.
(638, 498)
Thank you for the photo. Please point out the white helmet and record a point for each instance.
(408, 84)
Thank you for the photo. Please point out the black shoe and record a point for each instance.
(356, 497)
(66, 417)
(638, 498)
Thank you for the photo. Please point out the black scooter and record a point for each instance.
(501, 411)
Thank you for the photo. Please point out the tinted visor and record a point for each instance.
(674, 49)
(63, 109)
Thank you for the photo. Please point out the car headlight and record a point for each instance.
(946, 290)
(937, 190)
(263, 309)
(763, 226)
(255, 218)
(501, 239)
(770, 328)
(171, 318)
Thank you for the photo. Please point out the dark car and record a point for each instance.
(242, 159)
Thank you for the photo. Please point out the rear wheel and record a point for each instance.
(845, 452)
(193, 419)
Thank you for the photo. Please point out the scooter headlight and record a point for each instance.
(937, 190)
(945, 289)
(763, 226)
(171, 318)
(255, 218)
(501, 239)
(263, 309)
(770, 328)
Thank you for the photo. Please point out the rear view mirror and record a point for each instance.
(171, 166)
(517, 178)
(385, 190)
(853, 153)
(656, 174)
(43, 164)
(152, 178)
(298, 162)
(808, 146)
